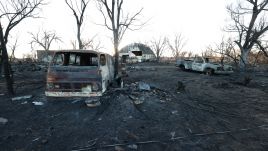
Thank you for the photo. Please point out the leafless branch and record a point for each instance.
(177, 45)
(45, 39)
(78, 8)
(158, 46)
(16, 11)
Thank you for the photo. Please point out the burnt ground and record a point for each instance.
(199, 112)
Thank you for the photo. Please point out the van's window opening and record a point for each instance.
(75, 59)
(102, 60)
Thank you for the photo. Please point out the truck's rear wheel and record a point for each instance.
(182, 67)
(209, 72)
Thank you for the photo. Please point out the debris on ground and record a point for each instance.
(21, 97)
(3, 121)
(44, 141)
(131, 135)
(144, 86)
(247, 80)
(118, 148)
(174, 112)
(37, 103)
(172, 135)
(133, 146)
(93, 102)
(136, 100)
(180, 86)
(75, 101)
(222, 114)
(25, 102)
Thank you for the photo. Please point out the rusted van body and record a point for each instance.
(81, 73)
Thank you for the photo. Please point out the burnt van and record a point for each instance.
(81, 73)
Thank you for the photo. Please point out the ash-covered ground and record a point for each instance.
(160, 108)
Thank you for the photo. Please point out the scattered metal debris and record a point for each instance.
(172, 135)
(75, 101)
(37, 103)
(136, 100)
(21, 97)
(25, 102)
(3, 121)
(144, 86)
(36, 139)
(133, 146)
(174, 112)
(93, 102)
(118, 148)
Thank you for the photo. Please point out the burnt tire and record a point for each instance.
(182, 67)
(209, 72)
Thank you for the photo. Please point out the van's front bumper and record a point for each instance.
(72, 94)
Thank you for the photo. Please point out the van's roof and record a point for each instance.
(78, 50)
(81, 51)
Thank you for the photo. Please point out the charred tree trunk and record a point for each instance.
(79, 36)
(158, 58)
(6, 66)
(243, 63)
(116, 55)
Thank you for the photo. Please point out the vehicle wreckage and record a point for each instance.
(205, 65)
(81, 73)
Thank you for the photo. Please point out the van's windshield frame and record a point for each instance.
(75, 59)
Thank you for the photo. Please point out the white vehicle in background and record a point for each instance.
(205, 65)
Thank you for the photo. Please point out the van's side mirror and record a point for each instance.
(102, 60)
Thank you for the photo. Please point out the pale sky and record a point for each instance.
(200, 22)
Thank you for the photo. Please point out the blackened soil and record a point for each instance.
(208, 113)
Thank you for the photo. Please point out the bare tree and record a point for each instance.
(13, 48)
(73, 43)
(250, 33)
(94, 45)
(117, 22)
(13, 12)
(208, 52)
(89, 44)
(189, 54)
(158, 46)
(78, 8)
(226, 48)
(176, 45)
(44, 40)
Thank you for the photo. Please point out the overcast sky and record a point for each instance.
(200, 22)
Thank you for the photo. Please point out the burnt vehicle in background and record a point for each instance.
(81, 73)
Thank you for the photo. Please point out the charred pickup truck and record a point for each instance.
(81, 73)
(205, 65)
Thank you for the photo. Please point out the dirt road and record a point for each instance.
(181, 111)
